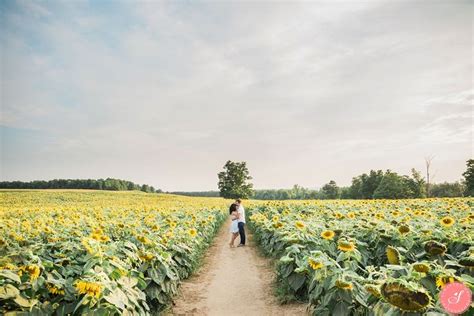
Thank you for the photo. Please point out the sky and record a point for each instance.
(164, 93)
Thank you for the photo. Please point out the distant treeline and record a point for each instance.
(197, 193)
(373, 185)
(91, 184)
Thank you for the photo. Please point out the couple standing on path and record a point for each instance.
(237, 227)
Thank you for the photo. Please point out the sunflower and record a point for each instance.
(89, 288)
(192, 232)
(315, 265)
(447, 221)
(393, 255)
(405, 296)
(33, 270)
(144, 240)
(344, 285)
(421, 267)
(278, 225)
(435, 248)
(467, 262)
(345, 245)
(351, 215)
(441, 281)
(404, 229)
(146, 256)
(372, 289)
(328, 234)
(54, 290)
(300, 224)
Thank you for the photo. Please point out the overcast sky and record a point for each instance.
(165, 93)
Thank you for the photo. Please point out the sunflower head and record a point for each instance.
(342, 284)
(89, 288)
(328, 234)
(393, 255)
(442, 280)
(403, 229)
(421, 267)
(345, 245)
(405, 296)
(146, 256)
(373, 289)
(467, 262)
(435, 248)
(314, 264)
(192, 232)
(33, 270)
(447, 221)
(300, 224)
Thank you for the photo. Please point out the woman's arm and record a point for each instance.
(235, 215)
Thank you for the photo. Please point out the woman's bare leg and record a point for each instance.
(234, 236)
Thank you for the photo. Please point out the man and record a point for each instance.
(241, 222)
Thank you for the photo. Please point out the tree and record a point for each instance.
(331, 190)
(446, 189)
(364, 186)
(392, 186)
(417, 184)
(233, 181)
(469, 178)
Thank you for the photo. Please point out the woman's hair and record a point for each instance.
(233, 208)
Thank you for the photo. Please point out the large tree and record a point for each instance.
(469, 177)
(233, 181)
(331, 190)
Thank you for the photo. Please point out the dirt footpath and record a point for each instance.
(232, 281)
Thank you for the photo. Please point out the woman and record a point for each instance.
(234, 226)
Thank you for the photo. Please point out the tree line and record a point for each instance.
(376, 184)
(109, 184)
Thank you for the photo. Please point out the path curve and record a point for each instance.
(232, 281)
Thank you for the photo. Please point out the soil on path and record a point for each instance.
(232, 281)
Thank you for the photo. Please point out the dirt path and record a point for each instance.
(232, 281)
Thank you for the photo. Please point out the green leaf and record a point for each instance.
(157, 276)
(65, 308)
(8, 291)
(118, 298)
(341, 309)
(10, 275)
(296, 281)
(24, 302)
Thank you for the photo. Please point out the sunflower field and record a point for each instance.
(99, 253)
(378, 257)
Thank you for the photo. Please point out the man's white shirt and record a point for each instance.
(241, 211)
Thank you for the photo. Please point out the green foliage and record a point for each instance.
(197, 193)
(364, 186)
(469, 177)
(295, 193)
(331, 190)
(365, 279)
(88, 184)
(388, 185)
(447, 189)
(394, 186)
(233, 181)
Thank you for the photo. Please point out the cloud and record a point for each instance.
(166, 92)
